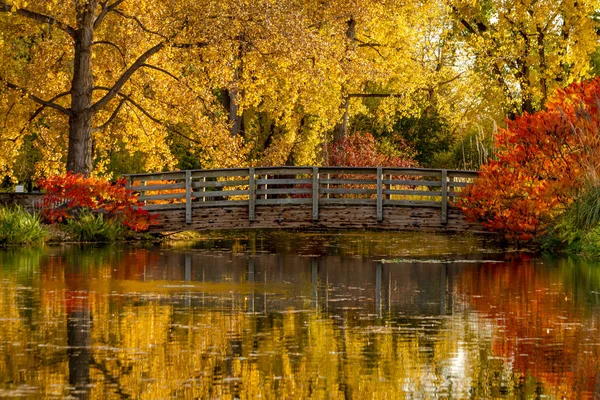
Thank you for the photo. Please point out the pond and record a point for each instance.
(289, 315)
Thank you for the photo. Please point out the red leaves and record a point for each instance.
(65, 195)
(544, 159)
(360, 150)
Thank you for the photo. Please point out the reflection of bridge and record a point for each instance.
(305, 197)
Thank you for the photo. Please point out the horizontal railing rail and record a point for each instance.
(315, 186)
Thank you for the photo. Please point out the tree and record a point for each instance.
(88, 67)
(543, 162)
(528, 48)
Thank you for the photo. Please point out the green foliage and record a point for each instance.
(428, 135)
(90, 227)
(17, 226)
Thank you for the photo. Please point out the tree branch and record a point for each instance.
(372, 95)
(148, 115)
(139, 23)
(4, 7)
(164, 71)
(114, 46)
(46, 103)
(125, 77)
(105, 10)
(52, 100)
(112, 116)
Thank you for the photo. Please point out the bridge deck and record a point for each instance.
(305, 197)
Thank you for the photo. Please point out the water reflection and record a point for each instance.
(298, 316)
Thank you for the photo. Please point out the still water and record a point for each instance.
(298, 315)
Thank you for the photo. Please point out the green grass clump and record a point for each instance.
(89, 227)
(17, 226)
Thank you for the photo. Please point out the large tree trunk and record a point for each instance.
(79, 156)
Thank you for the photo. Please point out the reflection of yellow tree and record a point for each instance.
(146, 344)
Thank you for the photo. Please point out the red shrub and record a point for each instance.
(360, 150)
(542, 162)
(66, 195)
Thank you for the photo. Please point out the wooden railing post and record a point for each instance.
(203, 188)
(251, 195)
(379, 194)
(315, 193)
(327, 177)
(444, 196)
(188, 197)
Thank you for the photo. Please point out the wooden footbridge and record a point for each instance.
(305, 198)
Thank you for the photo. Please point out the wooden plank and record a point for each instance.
(220, 173)
(169, 186)
(444, 196)
(413, 203)
(413, 192)
(370, 202)
(412, 172)
(188, 197)
(349, 191)
(217, 193)
(284, 191)
(348, 181)
(315, 194)
(284, 181)
(283, 201)
(379, 194)
(283, 170)
(167, 196)
(159, 176)
(348, 170)
(252, 196)
(411, 182)
(224, 204)
(219, 184)
(162, 207)
(463, 174)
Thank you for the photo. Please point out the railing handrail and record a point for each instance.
(254, 184)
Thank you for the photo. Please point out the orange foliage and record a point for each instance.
(66, 195)
(542, 162)
(541, 331)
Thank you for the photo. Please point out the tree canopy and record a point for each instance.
(114, 86)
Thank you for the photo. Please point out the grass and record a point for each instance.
(18, 227)
(89, 227)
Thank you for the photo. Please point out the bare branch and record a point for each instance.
(105, 10)
(4, 7)
(45, 103)
(112, 116)
(125, 77)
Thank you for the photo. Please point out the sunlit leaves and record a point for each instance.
(543, 161)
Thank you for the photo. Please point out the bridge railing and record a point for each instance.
(313, 186)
